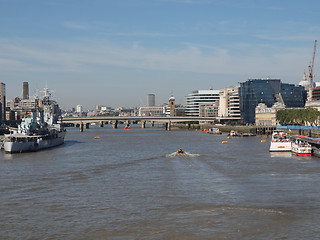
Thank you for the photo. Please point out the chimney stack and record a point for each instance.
(25, 90)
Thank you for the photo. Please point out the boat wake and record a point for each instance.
(185, 154)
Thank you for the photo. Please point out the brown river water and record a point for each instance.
(129, 184)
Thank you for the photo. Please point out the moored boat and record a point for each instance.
(301, 148)
(18, 143)
(214, 131)
(38, 130)
(280, 142)
(234, 133)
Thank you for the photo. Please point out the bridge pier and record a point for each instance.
(81, 127)
(168, 126)
(115, 124)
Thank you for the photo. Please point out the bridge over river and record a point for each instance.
(167, 121)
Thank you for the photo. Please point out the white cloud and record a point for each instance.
(139, 34)
(79, 26)
(288, 38)
(87, 55)
(107, 64)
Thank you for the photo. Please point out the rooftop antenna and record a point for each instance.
(46, 91)
(141, 101)
(36, 93)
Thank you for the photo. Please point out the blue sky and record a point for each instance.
(115, 52)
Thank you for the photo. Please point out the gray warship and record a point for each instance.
(38, 130)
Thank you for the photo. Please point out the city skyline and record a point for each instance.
(116, 52)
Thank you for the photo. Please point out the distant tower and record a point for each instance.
(2, 102)
(79, 109)
(304, 83)
(25, 90)
(172, 106)
(151, 100)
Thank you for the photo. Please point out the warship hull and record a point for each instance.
(19, 144)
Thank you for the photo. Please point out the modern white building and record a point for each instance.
(229, 103)
(79, 109)
(198, 98)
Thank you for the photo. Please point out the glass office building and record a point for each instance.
(268, 91)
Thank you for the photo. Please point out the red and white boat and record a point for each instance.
(280, 142)
(301, 148)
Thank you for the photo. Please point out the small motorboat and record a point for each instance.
(180, 151)
(234, 133)
(214, 131)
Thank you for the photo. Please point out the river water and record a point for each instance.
(129, 185)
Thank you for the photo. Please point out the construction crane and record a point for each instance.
(310, 67)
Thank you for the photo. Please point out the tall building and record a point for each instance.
(2, 102)
(229, 103)
(151, 100)
(172, 106)
(268, 91)
(17, 107)
(25, 91)
(198, 98)
(79, 109)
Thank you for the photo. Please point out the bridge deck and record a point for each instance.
(135, 118)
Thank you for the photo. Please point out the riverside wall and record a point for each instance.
(259, 130)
